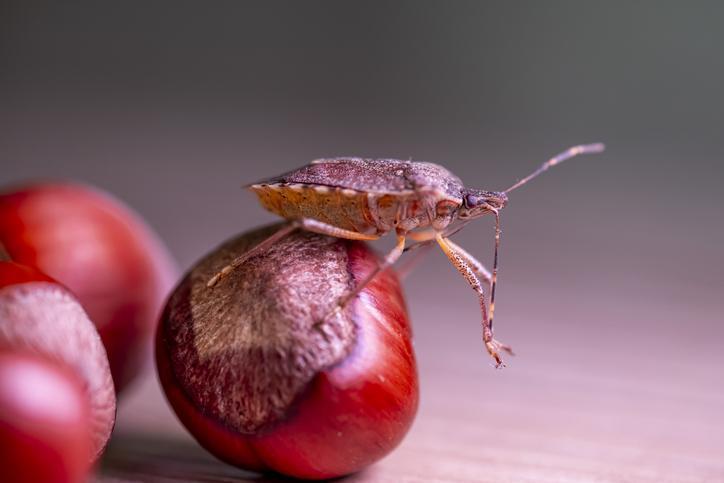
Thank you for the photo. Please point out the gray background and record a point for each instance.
(611, 266)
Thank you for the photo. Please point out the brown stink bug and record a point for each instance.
(363, 199)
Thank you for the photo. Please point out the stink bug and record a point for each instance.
(363, 199)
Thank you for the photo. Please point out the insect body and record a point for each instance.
(370, 197)
(363, 199)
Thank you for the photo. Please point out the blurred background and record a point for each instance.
(611, 266)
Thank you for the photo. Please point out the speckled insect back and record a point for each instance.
(363, 199)
(370, 196)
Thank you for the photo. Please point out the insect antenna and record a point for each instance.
(494, 278)
(558, 159)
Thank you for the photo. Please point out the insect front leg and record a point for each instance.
(424, 238)
(461, 263)
(477, 267)
(387, 262)
(309, 224)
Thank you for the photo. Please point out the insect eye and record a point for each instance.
(472, 200)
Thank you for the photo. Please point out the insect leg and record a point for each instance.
(480, 271)
(426, 237)
(260, 247)
(408, 264)
(462, 266)
(316, 226)
(422, 236)
(387, 262)
(423, 239)
(309, 224)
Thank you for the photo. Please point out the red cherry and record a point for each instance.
(45, 430)
(101, 251)
(41, 319)
(265, 381)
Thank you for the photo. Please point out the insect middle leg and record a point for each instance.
(308, 224)
(460, 261)
(387, 262)
(407, 266)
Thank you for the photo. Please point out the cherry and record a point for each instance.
(104, 253)
(267, 376)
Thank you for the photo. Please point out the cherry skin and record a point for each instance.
(47, 340)
(223, 356)
(104, 253)
(45, 424)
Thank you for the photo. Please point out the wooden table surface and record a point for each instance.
(590, 400)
